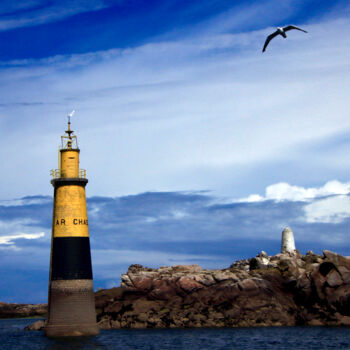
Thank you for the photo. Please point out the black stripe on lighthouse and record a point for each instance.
(71, 258)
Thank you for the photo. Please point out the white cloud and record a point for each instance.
(328, 210)
(325, 204)
(283, 191)
(25, 201)
(15, 225)
(12, 248)
(27, 13)
(174, 214)
(250, 199)
(9, 240)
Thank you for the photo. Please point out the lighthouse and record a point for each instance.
(71, 303)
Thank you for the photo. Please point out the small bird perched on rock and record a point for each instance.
(280, 31)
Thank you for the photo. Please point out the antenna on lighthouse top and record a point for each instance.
(72, 140)
(70, 115)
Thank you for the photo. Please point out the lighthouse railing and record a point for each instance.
(56, 173)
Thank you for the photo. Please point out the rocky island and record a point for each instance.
(286, 289)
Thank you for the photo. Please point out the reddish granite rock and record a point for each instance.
(282, 290)
(142, 282)
(188, 284)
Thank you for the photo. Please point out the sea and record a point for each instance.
(13, 336)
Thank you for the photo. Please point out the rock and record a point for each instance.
(262, 254)
(333, 257)
(105, 297)
(142, 317)
(315, 322)
(114, 308)
(345, 321)
(337, 259)
(8, 310)
(311, 258)
(247, 285)
(258, 263)
(241, 265)
(205, 279)
(304, 285)
(162, 290)
(220, 276)
(334, 279)
(134, 268)
(319, 280)
(142, 282)
(126, 281)
(189, 285)
(36, 326)
(138, 325)
(115, 324)
(281, 290)
(340, 299)
(143, 306)
(104, 323)
(289, 268)
(345, 274)
(187, 268)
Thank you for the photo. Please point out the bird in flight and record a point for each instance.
(280, 31)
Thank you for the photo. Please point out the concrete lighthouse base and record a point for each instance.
(78, 330)
(72, 309)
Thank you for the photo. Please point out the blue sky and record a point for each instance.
(198, 147)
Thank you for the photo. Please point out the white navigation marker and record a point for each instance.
(288, 245)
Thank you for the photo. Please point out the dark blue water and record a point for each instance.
(12, 336)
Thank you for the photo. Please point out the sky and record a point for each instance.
(199, 148)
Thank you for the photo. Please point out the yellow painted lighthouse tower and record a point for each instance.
(71, 304)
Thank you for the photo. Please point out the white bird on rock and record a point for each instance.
(280, 31)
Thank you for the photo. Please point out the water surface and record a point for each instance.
(12, 336)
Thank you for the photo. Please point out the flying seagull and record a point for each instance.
(281, 31)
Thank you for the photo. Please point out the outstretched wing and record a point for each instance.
(268, 39)
(293, 27)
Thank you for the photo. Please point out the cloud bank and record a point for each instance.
(284, 191)
(169, 228)
(8, 240)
